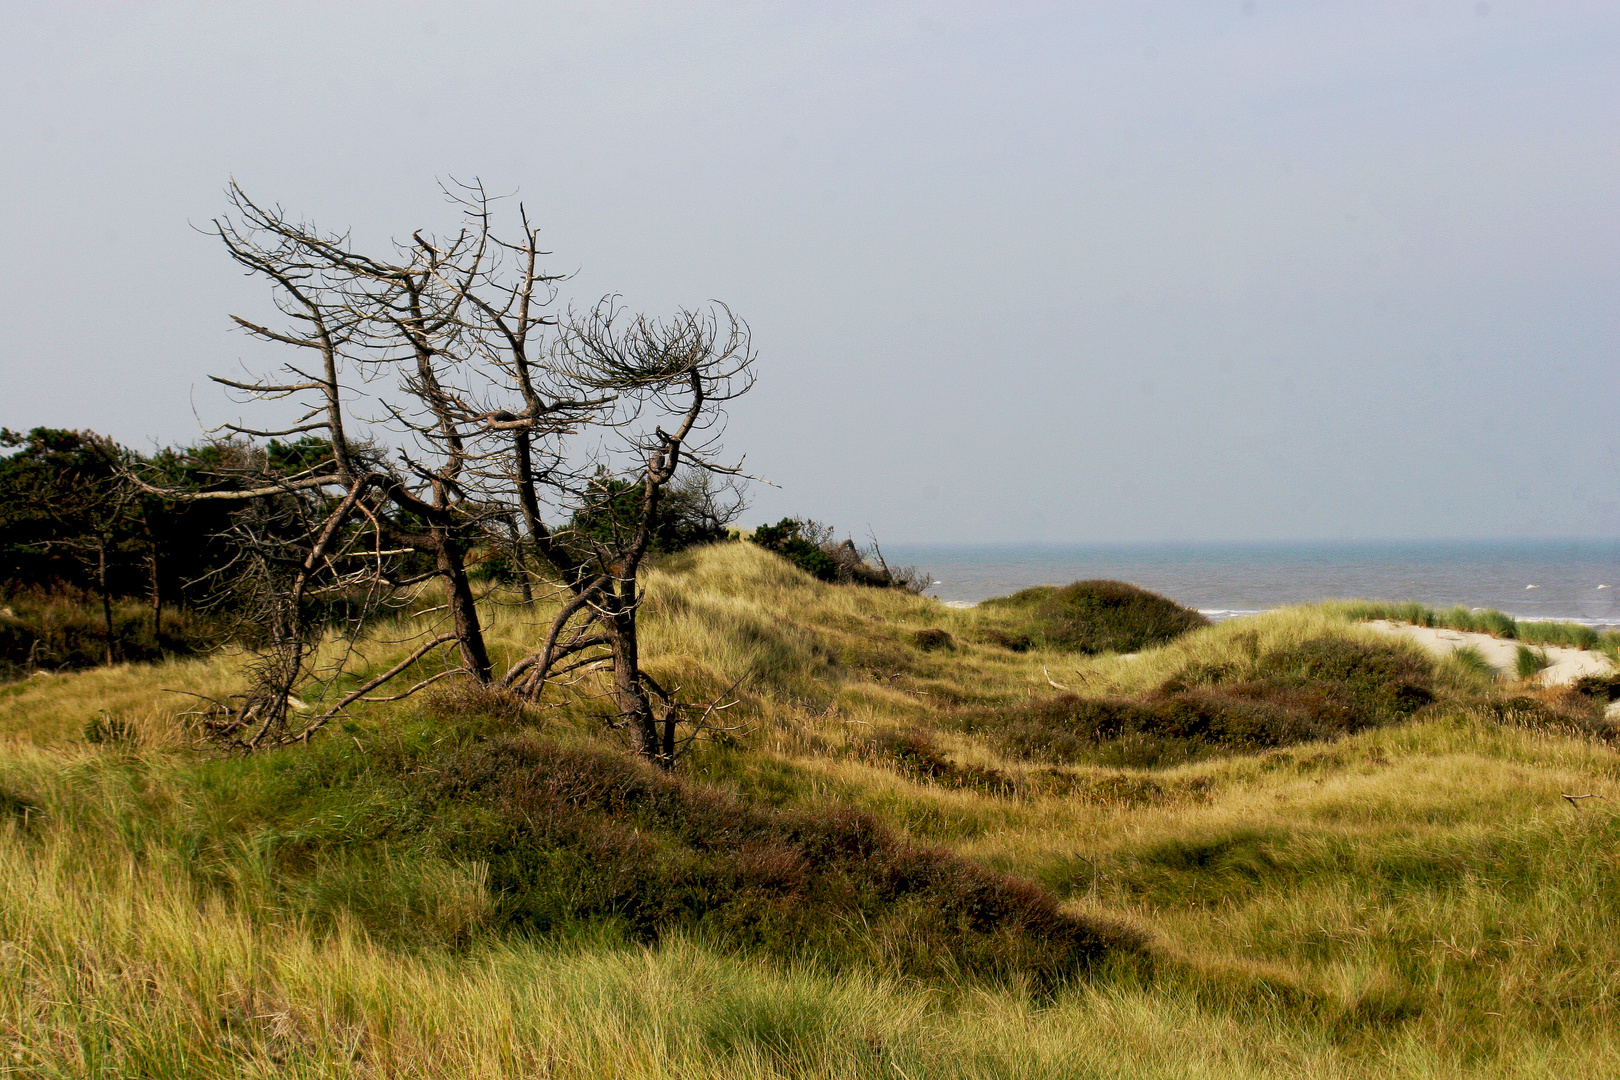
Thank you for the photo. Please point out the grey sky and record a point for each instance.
(1015, 271)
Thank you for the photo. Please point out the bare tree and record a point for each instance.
(498, 412)
(679, 372)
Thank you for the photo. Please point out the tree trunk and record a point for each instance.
(630, 695)
(463, 609)
(106, 601)
(157, 599)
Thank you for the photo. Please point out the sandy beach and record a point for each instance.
(1565, 665)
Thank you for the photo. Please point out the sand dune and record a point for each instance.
(1565, 667)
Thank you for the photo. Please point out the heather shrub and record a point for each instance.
(1091, 617)
(464, 703)
(914, 752)
(574, 835)
(1316, 689)
(1604, 688)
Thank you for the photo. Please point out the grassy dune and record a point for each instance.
(1412, 897)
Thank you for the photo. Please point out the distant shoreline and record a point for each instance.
(1554, 580)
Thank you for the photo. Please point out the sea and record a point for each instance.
(1567, 580)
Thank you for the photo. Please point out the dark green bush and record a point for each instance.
(914, 752)
(810, 546)
(1093, 617)
(798, 542)
(933, 638)
(1601, 687)
(1316, 689)
(573, 834)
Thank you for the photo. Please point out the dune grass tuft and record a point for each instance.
(1484, 621)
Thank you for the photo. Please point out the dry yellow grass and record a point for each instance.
(1412, 901)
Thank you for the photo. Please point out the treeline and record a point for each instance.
(71, 519)
(95, 569)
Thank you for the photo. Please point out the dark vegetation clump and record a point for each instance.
(1567, 712)
(1010, 642)
(1091, 617)
(933, 638)
(23, 812)
(65, 629)
(1317, 689)
(1600, 688)
(583, 835)
(462, 704)
(811, 547)
(914, 752)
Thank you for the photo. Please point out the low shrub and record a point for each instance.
(1603, 688)
(571, 835)
(914, 752)
(467, 704)
(1316, 689)
(1093, 617)
(1011, 642)
(933, 638)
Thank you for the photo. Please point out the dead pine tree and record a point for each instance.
(444, 402)
(670, 381)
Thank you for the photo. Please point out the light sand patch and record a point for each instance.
(1564, 665)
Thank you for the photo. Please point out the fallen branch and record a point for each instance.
(355, 695)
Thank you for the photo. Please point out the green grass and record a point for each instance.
(867, 877)
(1528, 661)
(1471, 659)
(1485, 621)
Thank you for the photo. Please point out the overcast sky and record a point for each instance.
(1015, 271)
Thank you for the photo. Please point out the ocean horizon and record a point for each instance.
(1574, 580)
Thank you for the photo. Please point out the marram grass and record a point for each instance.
(1413, 900)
